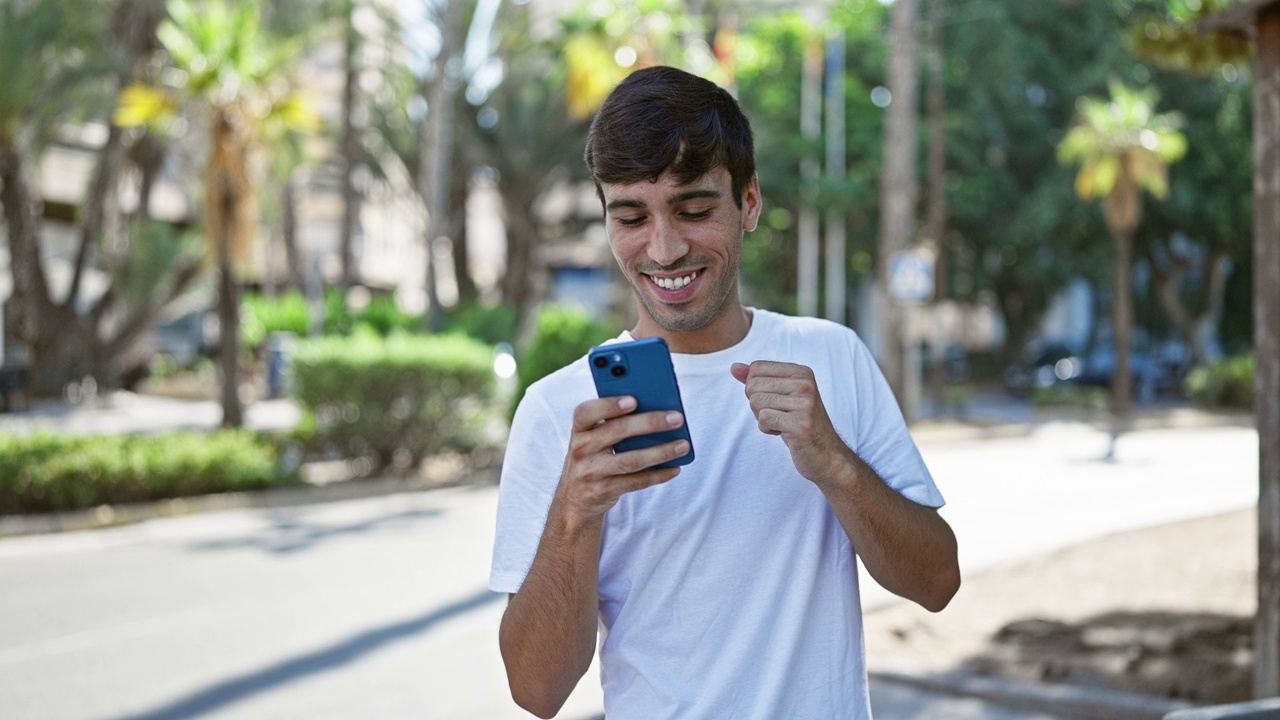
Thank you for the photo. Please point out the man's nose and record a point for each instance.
(666, 244)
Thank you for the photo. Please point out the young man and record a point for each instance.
(727, 588)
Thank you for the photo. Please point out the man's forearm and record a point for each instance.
(548, 631)
(908, 548)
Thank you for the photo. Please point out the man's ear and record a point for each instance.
(751, 203)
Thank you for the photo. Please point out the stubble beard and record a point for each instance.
(680, 320)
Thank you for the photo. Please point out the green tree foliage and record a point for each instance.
(769, 56)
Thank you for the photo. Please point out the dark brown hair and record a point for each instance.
(661, 119)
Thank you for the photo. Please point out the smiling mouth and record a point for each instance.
(674, 283)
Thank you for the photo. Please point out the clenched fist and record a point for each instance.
(785, 400)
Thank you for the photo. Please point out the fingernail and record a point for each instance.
(674, 419)
(682, 447)
(626, 403)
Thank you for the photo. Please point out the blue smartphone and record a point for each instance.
(643, 370)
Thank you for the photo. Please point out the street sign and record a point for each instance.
(911, 276)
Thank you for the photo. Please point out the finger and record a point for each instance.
(634, 461)
(781, 386)
(592, 412)
(770, 368)
(773, 422)
(621, 428)
(786, 402)
(623, 484)
(740, 371)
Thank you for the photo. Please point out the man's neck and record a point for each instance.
(725, 331)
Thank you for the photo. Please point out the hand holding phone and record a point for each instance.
(643, 370)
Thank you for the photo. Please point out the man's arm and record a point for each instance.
(907, 547)
(548, 630)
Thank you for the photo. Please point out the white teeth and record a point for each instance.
(674, 283)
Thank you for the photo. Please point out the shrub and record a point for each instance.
(46, 473)
(1225, 383)
(384, 316)
(261, 315)
(561, 335)
(488, 324)
(393, 401)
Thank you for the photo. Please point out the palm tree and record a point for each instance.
(233, 78)
(1123, 148)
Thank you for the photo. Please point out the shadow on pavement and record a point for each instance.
(238, 688)
(1200, 657)
(289, 534)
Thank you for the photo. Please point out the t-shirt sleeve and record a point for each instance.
(531, 469)
(883, 441)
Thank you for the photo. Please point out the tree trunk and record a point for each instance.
(1266, 334)
(458, 191)
(899, 186)
(1198, 330)
(99, 207)
(350, 151)
(228, 310)
(1122, 323)
(30, 303)
(147, 154)
(289, 234)
(434, 173)
(522, 236)
(229, 340)
(937, 217)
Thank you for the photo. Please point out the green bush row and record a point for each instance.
(392, 400)
(262, 315)
(46, 473)
(1226, 383)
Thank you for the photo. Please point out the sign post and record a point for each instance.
(911, 285)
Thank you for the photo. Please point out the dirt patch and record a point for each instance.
(1165, 611)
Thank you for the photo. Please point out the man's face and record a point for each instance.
(680, 245)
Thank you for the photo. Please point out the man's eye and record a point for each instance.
(699, 215)
(630, 221)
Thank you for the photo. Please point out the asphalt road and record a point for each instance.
(378, 608)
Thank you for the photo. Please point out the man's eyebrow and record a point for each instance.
(693, 195)
(676, 199)
(625, 203)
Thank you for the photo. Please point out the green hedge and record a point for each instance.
(1225, 383)
(393, 400)
(561, 335)
(46, 473)
(260, 316)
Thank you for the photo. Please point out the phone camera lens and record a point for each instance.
(618, 371)
(601, 361)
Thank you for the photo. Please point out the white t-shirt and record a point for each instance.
(731, 591)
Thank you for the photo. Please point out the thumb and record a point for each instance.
(740, 371)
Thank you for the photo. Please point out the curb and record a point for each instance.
(1066, 701)
(950, 430)
(105, 516)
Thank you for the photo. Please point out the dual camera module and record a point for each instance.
(618, 370)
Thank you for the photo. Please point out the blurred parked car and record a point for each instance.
(1046, 365)
(1150, 377)
(1042, 366)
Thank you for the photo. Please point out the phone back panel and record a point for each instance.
(643, 370)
